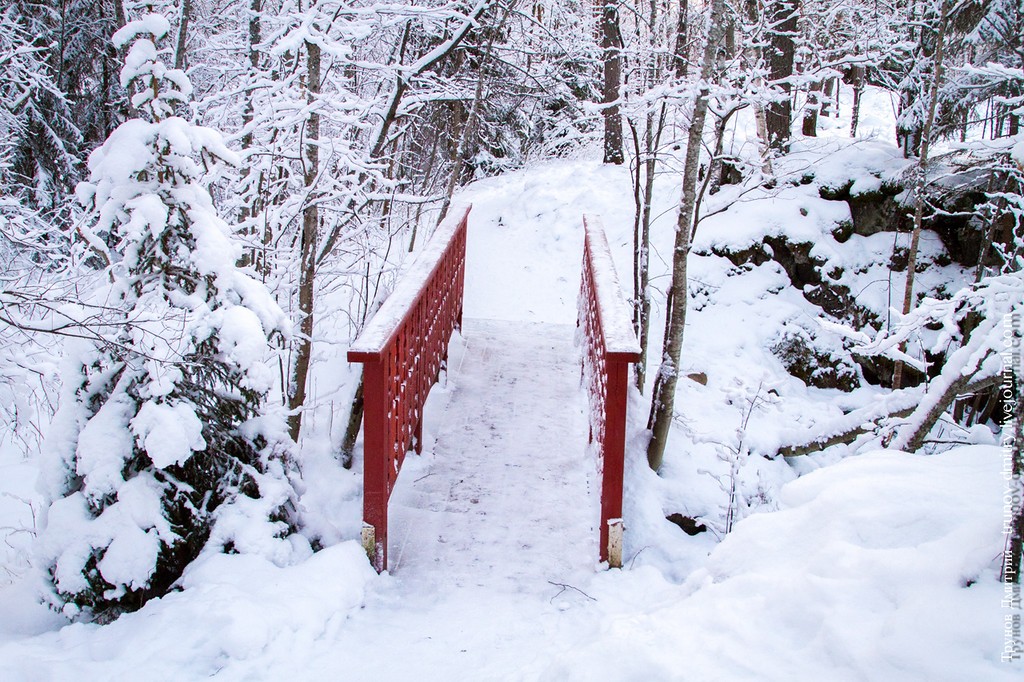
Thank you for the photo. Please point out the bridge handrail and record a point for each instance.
(386, 323)
(610, 344)
(403, 348)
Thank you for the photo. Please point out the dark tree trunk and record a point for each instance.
(810, 127)
(355, 418)
(647, 160)
(680, 56)
(611, 44)
(467, 141)
(783, 16)
(179, 52)
(827, 100)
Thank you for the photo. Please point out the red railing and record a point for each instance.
(610, 344)
(403, 349)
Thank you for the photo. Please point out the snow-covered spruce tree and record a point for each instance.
(163, 445)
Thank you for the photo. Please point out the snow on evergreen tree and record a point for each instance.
(164, 445)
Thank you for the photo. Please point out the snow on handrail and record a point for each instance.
(394, 312)
(616, 325)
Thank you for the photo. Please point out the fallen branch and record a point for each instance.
(856, 423)
(897, 405)
(912, 436)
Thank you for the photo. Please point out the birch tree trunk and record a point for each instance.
(310, 228)
(256, 256)
(663, 398)
(858, 92)
(760, 119)
(922, 180)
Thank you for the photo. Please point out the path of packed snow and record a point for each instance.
(506, 499)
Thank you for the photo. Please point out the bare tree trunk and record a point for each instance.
(644, 197)
(248, 113)
(355, 418)
(109, 68)
(897, 405)
(908, 133)
(779, 115)
(810, 125)
(922, 181)
(119, 15)
(611, 44)
(179, 52)
(827, 102)
(760, 119)
(652, 143)
(310, 229)
(858, 91)
(255, 31)
(713, 178)
(637, 215)
(915, 438)
(680, 56)
(663, 399)
(467, 139)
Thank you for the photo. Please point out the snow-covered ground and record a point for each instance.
(881, 566)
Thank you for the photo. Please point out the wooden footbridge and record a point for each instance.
(405, 346)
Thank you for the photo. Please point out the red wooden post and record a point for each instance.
(376, 485)
(614, 449)
(609, 345)
(401, 349)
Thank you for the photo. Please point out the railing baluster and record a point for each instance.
(399, 348)
(609, 346)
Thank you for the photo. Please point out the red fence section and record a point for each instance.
(610, 344)
(402, 349)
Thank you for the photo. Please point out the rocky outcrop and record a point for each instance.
(815, 366)
(870, 212)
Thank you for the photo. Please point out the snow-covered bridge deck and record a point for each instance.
(507, 494)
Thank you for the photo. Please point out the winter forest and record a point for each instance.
(816, 214)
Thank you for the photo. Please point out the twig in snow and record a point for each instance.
(633, 560)
(567, 587)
